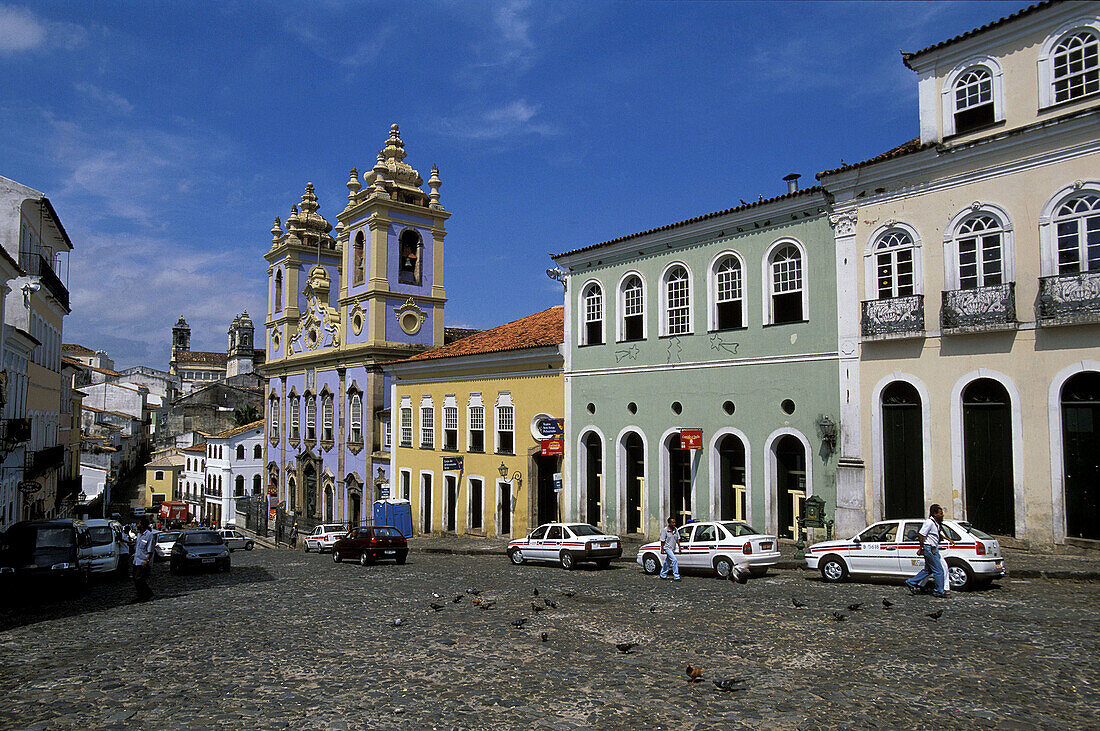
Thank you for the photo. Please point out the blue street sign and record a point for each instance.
(452, 464)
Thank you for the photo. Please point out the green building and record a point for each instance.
(702, 378)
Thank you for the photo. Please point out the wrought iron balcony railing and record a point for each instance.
(982, 308)
(894, 317)
(1069, 299)
(36, 265)
(43, 461)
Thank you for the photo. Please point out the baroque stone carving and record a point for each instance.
(844, 223)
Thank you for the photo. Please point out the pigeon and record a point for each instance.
(653, 607)
(488, 605)
(435, 606)
(436, 596)
(544, 636)
(855, 607)
(625, 647)
(839, 616)
(535, 607)
(694, 673)
(728, 684)
(569, 594)
(457, 599)
(797, 604)
(535, 592)
(475, 592)
(552, 605)
(397, 622)
(935, 615)
(886, 603)
(518, 624)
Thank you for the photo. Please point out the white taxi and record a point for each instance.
(567, 544)
(720, 545)
(889, 549)
(323, 536)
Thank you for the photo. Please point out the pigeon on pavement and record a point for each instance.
(625, 647)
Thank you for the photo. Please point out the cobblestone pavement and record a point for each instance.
(292, 640)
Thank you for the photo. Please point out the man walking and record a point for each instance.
(670, 546)
(294, 535)
(143, 559)
(929, 535)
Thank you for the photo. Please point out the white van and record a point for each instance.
(103, 546)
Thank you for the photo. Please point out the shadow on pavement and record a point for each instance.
(27, 606)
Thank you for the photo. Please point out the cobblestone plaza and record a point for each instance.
(292, 640)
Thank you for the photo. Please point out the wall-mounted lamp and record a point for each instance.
(517, 476)
(827, 430)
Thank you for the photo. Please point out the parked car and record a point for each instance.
(719, 546)
(104, 546)
(888, 549)
(323, 536)
(235, 540)
(162, 544)
(48, 552)
(567, 544)
(199, 549)
(371, 543)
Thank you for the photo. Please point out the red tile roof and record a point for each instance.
(540, 330)
(906, 148)
(906, 57)
(236, 430)
(74, 348)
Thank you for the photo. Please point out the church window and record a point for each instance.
(279, 290)
(295, 403)
(273, 417)
(311, 418)
(677, 301)
(355, 409)
(357, 262)
(787, 298)
(410, 256)
(326, 417)
(728, 293)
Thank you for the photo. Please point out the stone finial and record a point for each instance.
(379, 174)
(433, 184)
(276, 230)
(292, 219)
(395, 148)
(309, 201)
(353, 184)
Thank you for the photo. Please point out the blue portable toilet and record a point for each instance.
(395, 512)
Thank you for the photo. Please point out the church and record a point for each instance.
(343, 301)
(236, 366)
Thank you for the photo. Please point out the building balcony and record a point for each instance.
(1069, 299)
(43, 461)
(980, 309)
(896, 317)
(36, 265)
(13, 432)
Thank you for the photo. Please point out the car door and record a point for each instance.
(878, 550)
(551, 545)
(683, 558)
(534, 543)
(704, 542)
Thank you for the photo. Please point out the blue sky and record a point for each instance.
(169, 135)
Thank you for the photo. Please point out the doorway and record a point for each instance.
(732, 490)
(426, 503)
(547, 508)
(593, 477)
(902, 452)
(987, 453)
(634, 451)
(504, 508)
(790, 483)
(450, 486)
(1081, 454)
(679, 480)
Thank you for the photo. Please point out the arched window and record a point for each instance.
(355, 411)
(358, 259)
(326, 417)
(257, 452)
(1076, 66)
(786, 285)
(295, 403)
(278, 290)
(410, 253)
(257, 484)
(592, 331)
(1077, 223)
(677, 295)
(238, 490)
(728, 294)
(273, 416)
(979, 246)
(894, 265)
(240, 451)
(311, 418)
(632, 307)
(973, 99)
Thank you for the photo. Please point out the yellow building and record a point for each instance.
(162, 477)
(470, 421)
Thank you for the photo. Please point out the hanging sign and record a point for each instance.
(28, 487)
(551, 427)
(691, 439)
(453, 464)
(552, 447)
(559, 482)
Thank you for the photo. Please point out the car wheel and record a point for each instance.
(833, 570)
(249, 546)
(364, 559)
(723, 566)
(516, 557)
(567, 560)
(603, 563)
(960, 576)
(336, 557)
(651, 564)
(401, 558)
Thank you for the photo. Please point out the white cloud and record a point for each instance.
(107, 98)
(510, 120)
(21, 31)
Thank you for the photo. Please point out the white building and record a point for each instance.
(234, 469)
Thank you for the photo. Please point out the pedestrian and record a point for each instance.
(143, 561)
(294, 535)
(670, 545)
(929, 536)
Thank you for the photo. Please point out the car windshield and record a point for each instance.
(53, 538)
(386, 532)
(203, 538)
(167, 537)
(101, 536)
(334, 529)
(737, 529)
(975, 532)
(584, 529)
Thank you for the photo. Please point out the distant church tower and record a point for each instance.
(240, 353)
(181, 342)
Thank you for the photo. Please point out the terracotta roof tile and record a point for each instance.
(201, 447)
(905, 57)
(906, 148)
(540, 330)
(235, 430)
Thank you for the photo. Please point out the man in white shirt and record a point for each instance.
(670, 546)
(143, 559)
(929, 536)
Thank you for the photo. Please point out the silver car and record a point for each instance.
(235, 540)
(162, 544)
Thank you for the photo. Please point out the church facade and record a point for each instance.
(342, 302)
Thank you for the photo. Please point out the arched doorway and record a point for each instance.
(679, 480)
(355, 505)
(634, 454)
(790, 483)
(450, 494)
(987, 457)
(330, 501)
(902, 452)
(309, 478)
(593, 477)
(732, 489)
(1081, 454)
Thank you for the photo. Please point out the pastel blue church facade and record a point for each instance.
(344, 300)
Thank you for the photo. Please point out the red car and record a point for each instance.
(370, 543)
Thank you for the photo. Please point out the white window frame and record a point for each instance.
(426, 430)
(273, 421)
(947, 92)
(768, 290)
(355, 417)
(621, 305)
(328, 417)
(311, 417)
(470, 511)
(405, 423)
(450, 410)
(871, 252)
(295, 416)
(665, 330)
(1046, 57)
(712, 289)
(504, 401)
(1048, 229)
(592, 291)
(475, 402)
(951, 250)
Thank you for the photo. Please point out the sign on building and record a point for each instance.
(691, 439)
(551, 447)
(550, 427)
(559, 482)
(452, 464)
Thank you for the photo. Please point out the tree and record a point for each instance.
(246, 415)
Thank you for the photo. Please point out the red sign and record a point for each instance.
(272, 514)
(551, 447)
(173, 511)
(691, 439)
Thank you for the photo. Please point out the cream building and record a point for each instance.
(969, 270)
